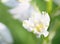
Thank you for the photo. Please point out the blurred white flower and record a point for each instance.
(5, 35)
(10, 3)
(57, 2)
(38, 23)
(22, 11)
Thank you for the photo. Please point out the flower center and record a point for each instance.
(39, 27)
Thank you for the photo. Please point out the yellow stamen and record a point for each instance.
(38, 27)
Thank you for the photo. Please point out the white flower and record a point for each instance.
(5, 35)
(10, 3)
(22, 11)
(38, 23)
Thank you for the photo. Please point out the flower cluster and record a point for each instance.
(33, 20)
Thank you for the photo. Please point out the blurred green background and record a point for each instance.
(21, 35)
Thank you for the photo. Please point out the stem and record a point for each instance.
(48, 40)
(49, 6)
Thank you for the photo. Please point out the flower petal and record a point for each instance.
(28, 25)
(45, 33)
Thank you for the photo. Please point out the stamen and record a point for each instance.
(39, 27)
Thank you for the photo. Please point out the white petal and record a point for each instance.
(39, 35)
(28, 25)
(5, 34)
(35, 16)
(45, 18)
(45, 33)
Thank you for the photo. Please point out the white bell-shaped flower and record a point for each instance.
(5, 35)
(38, 23)
(22, 11)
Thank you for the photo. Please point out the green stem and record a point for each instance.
(49, 6)
(48, 40)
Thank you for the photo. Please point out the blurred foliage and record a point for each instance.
(22, 36)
